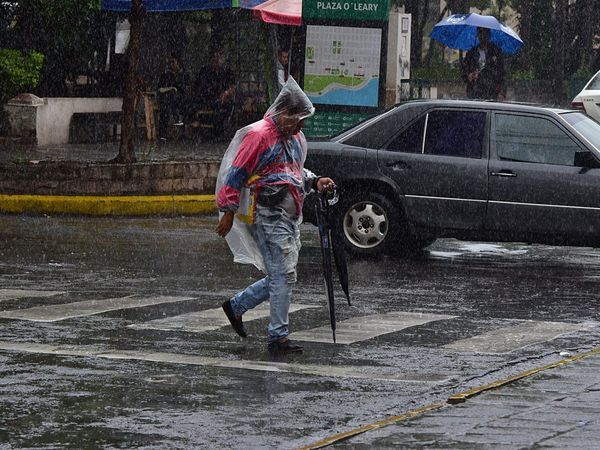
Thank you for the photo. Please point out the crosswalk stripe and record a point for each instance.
(357, 372)
(367, 327)
(54, 313)
(207, 320)
(12, 294)
(508, 339)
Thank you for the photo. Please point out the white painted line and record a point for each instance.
(367, 327)
(508, 339)
(12, 294)
(358, 372)
(54, 313)
(208, 320)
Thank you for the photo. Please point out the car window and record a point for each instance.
(588, 127)
(376, 134)
(455, 133)
(533, 139)
(594, 83)
(410, 140)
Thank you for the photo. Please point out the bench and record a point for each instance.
(91, 127)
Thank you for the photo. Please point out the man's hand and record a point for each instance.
(473, 76)
(225, 224)
(325, 183)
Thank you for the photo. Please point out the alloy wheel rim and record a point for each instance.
(365, 225)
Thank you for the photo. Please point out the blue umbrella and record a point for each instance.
(459, 31)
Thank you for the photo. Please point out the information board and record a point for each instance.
(342, 65)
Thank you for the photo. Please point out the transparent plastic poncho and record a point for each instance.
(292, 102)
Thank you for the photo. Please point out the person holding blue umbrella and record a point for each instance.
(483, 69)
(486, 40)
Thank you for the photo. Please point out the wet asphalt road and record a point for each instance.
(64, 395)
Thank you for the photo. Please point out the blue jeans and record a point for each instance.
(278, 239)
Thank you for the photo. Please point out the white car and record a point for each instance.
(588, 99)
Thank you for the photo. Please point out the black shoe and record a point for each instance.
(236, 323)
(285, 346)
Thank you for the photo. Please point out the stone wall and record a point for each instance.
(74, 178)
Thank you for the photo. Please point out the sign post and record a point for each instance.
(345, 61)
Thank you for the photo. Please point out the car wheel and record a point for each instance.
(369, 224)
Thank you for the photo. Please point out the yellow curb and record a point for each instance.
(463, 396)
(120, 205)
(372, 426)
(454, 399)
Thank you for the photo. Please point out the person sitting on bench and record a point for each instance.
(173, 95)
(214, 93)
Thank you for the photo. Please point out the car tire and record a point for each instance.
(369, 224)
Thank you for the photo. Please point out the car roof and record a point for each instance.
(488, 104)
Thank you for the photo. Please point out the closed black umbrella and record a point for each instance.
(330, 240)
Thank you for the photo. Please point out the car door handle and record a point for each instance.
(503, 173)
(398, 165)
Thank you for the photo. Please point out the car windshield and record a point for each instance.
(589, 128)
(594, 83)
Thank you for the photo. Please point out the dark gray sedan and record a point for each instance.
(465, 169)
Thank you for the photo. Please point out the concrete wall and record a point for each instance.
(54, 116)
(74, 178)
(46, 121)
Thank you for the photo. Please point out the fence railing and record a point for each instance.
(416, 89)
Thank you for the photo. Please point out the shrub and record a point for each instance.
(18, 71)
(439, 72)
(521, 75)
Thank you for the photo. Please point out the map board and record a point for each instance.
(342, 65)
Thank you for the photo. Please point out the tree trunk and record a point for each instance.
(561, 21)
(433, 43)
(419, 10)
(126, 149)
(588, 34)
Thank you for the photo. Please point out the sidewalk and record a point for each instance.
(555, 408)
(205, 156)
(145, 151)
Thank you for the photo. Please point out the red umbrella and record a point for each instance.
(283, 12)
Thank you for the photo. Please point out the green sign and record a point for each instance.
(346, 9)
(330, 123)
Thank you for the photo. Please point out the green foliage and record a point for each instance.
(583, 73)
(438, 72)
(558, 36)
(521, 75)
(463, 6)
(67, 32)
(18, 71)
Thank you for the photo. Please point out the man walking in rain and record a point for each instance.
(266, 160)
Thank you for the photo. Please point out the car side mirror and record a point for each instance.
(586, 159)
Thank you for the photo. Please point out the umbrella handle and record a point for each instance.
(328, 198)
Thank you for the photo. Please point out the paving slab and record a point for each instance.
(540, 418)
